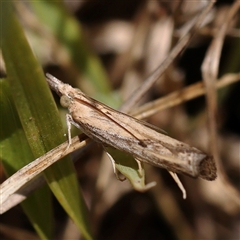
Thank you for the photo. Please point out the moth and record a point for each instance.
(112, 128)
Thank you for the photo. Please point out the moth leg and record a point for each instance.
(178, 182)
(140, 168)
(116, 172)
(69, 121)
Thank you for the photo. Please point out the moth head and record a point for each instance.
(65, 101)
(59, 87)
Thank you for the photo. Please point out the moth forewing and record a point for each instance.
(126, 133)
(123, 132)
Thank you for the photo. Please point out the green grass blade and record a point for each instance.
(16, 153)
(39, 116)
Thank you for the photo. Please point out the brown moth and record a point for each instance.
(121, 131)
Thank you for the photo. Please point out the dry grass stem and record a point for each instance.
(210, 68)
(15, 189)
(180, 96)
